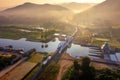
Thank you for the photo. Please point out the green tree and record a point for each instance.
(107, 74)
(85, 63)
(75, 75)
(76, 65)
(88, 72)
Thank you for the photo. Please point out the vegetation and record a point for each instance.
(87, 72)
(34, 58)
(97, 36)
(34, 33)
(50, 72)
(31, 73)
(29, 33)
(107, 74)
(79, 72)
(5, 61)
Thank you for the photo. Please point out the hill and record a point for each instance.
(104, 14)
(78, 7)
(30, 13)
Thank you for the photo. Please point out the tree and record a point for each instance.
(76, 65)
(85, 63)
(107, 74)
(75, 75)
(83, 72)
(88, 72)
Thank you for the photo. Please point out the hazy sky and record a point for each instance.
(10, 3)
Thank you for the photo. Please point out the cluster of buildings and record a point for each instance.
(10, 52)
(10, 49)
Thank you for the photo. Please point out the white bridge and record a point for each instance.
(67, 43)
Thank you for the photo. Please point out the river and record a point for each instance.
(74, 50)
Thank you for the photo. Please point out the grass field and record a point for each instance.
(102, 39)
(50, 72)
(117, 45)
(31, 34)
(36, 58)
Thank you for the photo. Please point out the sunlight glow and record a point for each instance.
(87, 1)
(10, 3)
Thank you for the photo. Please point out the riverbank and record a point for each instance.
(65, 62)
(31, 34)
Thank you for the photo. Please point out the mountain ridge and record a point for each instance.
(32, 5)
(107, 12)
(30, 13)
(74, 6)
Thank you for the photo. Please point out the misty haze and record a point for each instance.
(60, 40)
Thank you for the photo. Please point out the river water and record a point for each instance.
(74, 50)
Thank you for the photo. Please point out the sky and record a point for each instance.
(11, 3)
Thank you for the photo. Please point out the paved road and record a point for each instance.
(5, 71)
